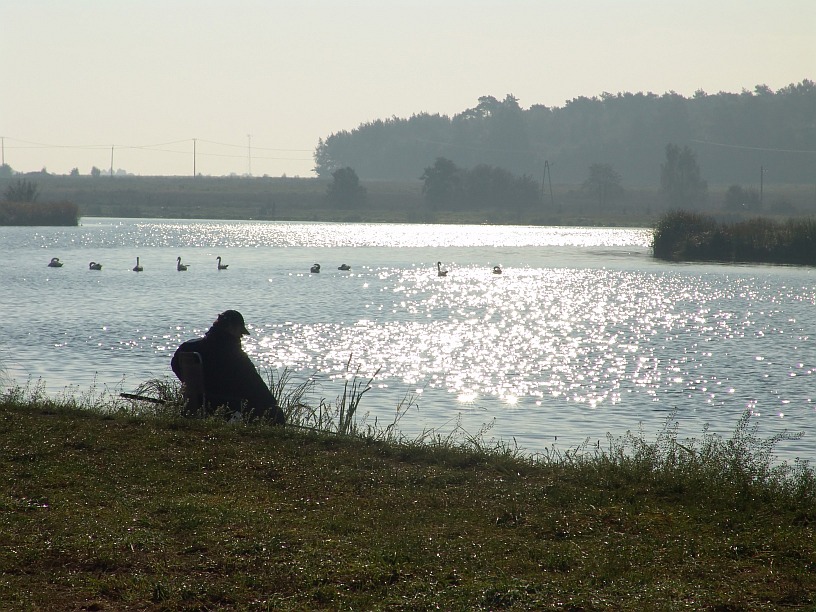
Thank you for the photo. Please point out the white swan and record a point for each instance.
(315, 268)
(344, 267)
(94, 266)
(220, 265)
(55, 263)
(180, 266)
(137, 267)
(439, 270)
(497, 270)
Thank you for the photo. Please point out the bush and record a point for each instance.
(680, 233)
(22, 191)
(31, 213)
(737, 198)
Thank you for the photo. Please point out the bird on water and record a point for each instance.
(439, 270)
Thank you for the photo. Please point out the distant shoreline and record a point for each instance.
(305, 199)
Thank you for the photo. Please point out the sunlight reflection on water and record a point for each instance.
(583, 334)
(168, 233)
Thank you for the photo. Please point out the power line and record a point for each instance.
(254, 148)
(200, 153)
(170, 147)
(747, 148)
(41, 145)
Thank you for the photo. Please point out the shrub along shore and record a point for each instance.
(115, 505)
(690, 236)
(39, 213)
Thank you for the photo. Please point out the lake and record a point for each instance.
(583, 334)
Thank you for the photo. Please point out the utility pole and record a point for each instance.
(548, 176)
(249, 155)
(111, 161)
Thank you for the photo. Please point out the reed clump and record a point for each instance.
(39, 213)
(691, 236)
(112, 504)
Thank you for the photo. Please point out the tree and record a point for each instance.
(604, 182)
(6, 171)
(22, 191)
(680, 179)
(345, 190)
(490, 187)
(74, 172)
(96, 172)
(443, 183)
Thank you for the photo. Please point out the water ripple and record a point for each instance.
(581, 335)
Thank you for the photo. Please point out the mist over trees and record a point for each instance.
(731, 135)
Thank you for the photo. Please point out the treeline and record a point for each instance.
(691, 236)
(449, 187)
(448, 193)
(735, 137)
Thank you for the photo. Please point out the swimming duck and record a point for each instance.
(344, 267)
(137, 267)
(497, 270)
(439, 270)
(315, 268)
(180, 266)
(94, 266)
(55, 263)
(220, 265)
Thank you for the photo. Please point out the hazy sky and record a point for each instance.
(256, 83)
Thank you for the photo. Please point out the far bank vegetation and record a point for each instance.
(20, 207)
(692, 236)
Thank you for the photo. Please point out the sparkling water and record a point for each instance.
(583, 334)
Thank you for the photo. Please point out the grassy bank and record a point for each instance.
(690, 236)
(105, 507)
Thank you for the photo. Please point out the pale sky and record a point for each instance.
(255, 83)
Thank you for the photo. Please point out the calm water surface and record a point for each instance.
(582, 335)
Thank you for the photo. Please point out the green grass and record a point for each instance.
(114, 505)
